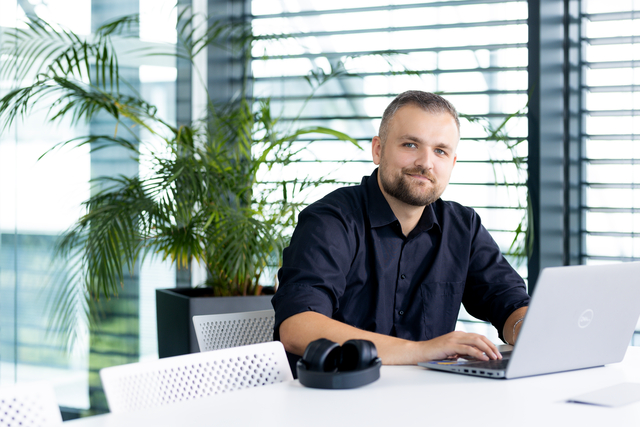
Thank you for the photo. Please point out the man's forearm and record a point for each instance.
(299, 330)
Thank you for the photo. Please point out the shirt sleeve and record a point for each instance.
(315, 265)
(494, 289)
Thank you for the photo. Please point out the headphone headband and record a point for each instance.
(325, 364)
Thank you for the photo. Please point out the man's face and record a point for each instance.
(418, 156)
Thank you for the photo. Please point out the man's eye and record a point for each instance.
(439, 151)
(409, 144)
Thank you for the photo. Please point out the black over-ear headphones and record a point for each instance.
(326, 364)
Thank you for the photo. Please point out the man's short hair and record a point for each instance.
(428, 101)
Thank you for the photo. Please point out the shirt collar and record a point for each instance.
(380, 213)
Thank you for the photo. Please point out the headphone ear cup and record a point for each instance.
(357, 355)
(322, 355)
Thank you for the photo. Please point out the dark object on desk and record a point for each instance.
(326, 364)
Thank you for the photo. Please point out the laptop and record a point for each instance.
(579, 317)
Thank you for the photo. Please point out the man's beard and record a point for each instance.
(400, 188)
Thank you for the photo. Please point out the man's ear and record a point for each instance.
(376, 149)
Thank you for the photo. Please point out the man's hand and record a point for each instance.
(459, 344)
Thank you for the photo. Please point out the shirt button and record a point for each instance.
(402, 276)
(401, 312)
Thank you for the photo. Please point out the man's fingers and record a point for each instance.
(470, 344)
(488, 348)
(480, 347)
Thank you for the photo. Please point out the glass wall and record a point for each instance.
(41, 197)
(38, 200)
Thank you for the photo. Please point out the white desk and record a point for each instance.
(405, 396)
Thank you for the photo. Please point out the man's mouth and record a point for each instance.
(421, 175)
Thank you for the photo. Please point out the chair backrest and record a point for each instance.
(29, 404)
(194, 376)
(216, 331)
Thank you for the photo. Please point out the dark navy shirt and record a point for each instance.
(349, 260)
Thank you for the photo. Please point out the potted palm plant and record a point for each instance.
(208, 194)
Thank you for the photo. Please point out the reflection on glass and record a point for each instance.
(40, 198)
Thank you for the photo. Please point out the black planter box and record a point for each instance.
(176, 307)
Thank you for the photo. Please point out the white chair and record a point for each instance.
(29, 404)
(216, 331)
(193, 376)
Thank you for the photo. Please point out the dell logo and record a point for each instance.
(585, 318)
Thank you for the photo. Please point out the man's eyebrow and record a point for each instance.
(420, 140)
(411, 138)
(444, 145)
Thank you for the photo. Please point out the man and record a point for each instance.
(391, 262)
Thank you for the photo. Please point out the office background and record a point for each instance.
(564, 73)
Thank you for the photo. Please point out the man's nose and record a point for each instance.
(424, 159)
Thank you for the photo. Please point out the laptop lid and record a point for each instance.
(579, 317)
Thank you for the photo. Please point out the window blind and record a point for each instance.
(473, 52)
(611, 124)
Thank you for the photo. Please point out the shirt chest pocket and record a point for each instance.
(443, 289)
(440, 306)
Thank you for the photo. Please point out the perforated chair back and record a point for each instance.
(193, 376)
(29, 404)
(216, 331)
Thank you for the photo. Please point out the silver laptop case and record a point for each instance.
(580, 316)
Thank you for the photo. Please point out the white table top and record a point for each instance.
(405, 395)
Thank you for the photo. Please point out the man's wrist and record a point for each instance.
(513, 325)
(514, 333)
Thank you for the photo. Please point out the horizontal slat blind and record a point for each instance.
(611, 118)
(472, 52)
